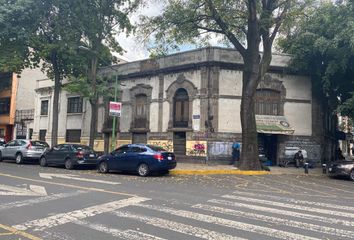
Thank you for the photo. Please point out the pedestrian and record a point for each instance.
(235, 153)
(298, 158)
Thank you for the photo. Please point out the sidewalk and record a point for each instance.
(205, 169)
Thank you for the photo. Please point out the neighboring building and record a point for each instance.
(8, 91)
(190, 103)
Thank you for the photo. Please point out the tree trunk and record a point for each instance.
(93, 101)
(249, 154)
(57, 87)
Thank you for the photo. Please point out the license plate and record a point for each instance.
(330, 169)
(169, 158)
(92, 155)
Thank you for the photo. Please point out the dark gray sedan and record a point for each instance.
(342, 168)
(69, 155)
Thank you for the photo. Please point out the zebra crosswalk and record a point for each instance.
(239, 215)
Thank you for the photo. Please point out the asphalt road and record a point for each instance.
(54, 203)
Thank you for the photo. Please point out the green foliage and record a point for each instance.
(322, 45)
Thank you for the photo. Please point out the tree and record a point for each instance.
(322, 46)
(247, 25)
(100, 22)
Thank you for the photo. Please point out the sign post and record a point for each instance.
(115, 111)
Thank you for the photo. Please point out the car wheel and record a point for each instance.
(143, 170)
(43, 162)
(19, 158)
(352, 175)
(103, 167)
(69, 164)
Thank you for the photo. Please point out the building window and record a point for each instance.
(42, 134)
(73, 136)
(267, 102)
(75, 105)
(2, 132)
(140, 111)
(181, 108)
(5, 81)
(5, 105)
(44, 107)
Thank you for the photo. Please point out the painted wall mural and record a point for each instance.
(196, 148)
(165, 144)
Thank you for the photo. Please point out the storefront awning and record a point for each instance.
(270, 124)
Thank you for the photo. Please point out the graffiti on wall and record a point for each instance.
(165, 144)
(220, 148)
(196, 148)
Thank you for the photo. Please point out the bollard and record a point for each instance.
(306, 168)
(324, 168)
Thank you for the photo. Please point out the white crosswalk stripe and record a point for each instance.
(296, 201)
(292, 206)
(229, 223)
(277, 221)
(177, 227)
(124, 234)
(63, 218)
(285, 212)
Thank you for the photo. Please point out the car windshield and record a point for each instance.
(156, 148)
(39, 144)
(82, 147)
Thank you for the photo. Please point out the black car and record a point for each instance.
(342, 168)
(140, 158)
(69, 155)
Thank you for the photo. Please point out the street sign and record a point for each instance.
(115, 109)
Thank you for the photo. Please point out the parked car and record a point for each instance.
(342, 168)
(140, 158)
(2, 142)
(69, 155)
(22, 150)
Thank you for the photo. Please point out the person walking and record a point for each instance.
(235, 153)
(298, 158)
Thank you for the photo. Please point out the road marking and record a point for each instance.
(33, 190)
(125, 234)
(292, 206)
(74, 177)
(68, 185)
(177, 227)
(15, 231)
(63, 218)
(284, 212)
(296, 201)
(6, 234)
(277, 221)
(31, 202)
(274, 233)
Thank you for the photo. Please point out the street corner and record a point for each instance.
(216, 172)
(7, 232)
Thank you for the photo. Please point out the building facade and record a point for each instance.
(189, 103)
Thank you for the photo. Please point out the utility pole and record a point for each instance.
(113, 144)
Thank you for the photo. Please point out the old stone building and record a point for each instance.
(189, 103)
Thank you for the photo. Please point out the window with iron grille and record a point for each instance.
(44, 107)
(5, 105)
(181, 108)
(267, 102)
(140, 111)
(42, 134)
(73, 135)
(74, 105)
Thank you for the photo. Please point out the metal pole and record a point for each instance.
(114, 117)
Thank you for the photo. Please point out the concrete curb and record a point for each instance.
(216, 172)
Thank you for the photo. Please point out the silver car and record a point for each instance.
(21, 150)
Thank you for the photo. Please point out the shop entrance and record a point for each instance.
(267, 146)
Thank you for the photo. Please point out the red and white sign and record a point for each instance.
(115, 109)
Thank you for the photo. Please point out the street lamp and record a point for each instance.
(116, 86)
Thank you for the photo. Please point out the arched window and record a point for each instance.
(267, 102)
(140, 111)
(181, 108)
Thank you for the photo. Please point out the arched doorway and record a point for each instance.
(180, 120)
